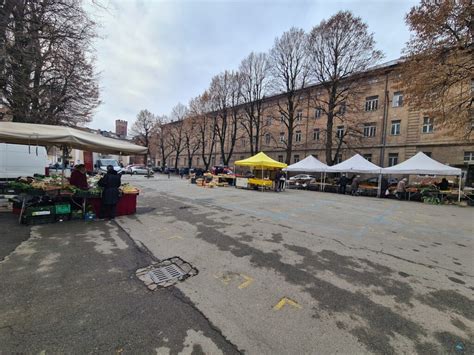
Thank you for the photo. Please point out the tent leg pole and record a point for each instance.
(459, 190)
(379, 186)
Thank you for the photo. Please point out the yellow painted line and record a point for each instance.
(224, 278)
(175, 237)
(246, 283)
(284, 301)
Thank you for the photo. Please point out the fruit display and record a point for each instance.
(128, 189)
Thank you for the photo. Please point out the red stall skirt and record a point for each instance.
(127, 204)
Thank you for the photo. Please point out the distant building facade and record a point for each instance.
(389, 131)
(121, 128)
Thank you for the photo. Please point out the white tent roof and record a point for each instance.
(422, 164)
(309, 165)
(39, 134)
(356, 164)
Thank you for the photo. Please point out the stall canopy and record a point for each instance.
(422, 164)
(39, 134)
(261, 161)
(355, 164)
(308, 165)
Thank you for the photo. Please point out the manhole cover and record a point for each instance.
(166, 273)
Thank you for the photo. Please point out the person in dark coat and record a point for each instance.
(384, 187)
(277, 180)
(79, 178)
(342, 184)
(110, 194)
(443, 185)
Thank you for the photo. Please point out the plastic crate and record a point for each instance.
(35, 220)
(38, 211)
(62, 208)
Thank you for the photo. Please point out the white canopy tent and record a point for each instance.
(39, 134)
(308, 165)
(355, 164)
(420, 163)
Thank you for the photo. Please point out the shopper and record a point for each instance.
(110, 194)
(277, 180)
(355, 185)
(282, 182)
(384, 188)
(402, 189)
(443, 185)
(342, 184)
(79, 178)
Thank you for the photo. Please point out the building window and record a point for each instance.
(395, 130)
(342, 108)
(468, 157)
(318, 112)
(428, 154)
(243, 142)
(340, 131)
(298, 136)
(338, 158)
(198, 161)
(316, 134)
(397, 99)
(269, 120)
(213, 161)
(268, 138)
(368, 157)
(371, 103)
(296, 158)
(282, 118)
(282, 137)
(280, 158)
(427, 125)
(299, 116)
(392, 159)
(369, 129)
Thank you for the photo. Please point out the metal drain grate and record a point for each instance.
(166, 274)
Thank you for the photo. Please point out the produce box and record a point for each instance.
(35, 220)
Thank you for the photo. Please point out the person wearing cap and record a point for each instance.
(110, 183)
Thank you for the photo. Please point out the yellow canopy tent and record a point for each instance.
(261, 161)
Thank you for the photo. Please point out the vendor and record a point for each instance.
(79, 178)
(443, 185)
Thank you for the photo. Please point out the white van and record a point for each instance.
(22, 160)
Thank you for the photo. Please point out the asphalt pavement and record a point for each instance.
(71, 288)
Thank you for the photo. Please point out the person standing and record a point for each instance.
(282, 182)
(110, 183)
(79, 178)
(342, 184)
(355, 185)
(277, 180)
(402, 189)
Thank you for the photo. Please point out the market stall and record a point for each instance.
(421, 164)
(42, 199)
(309, 165)
(262, 168)
(358, 164)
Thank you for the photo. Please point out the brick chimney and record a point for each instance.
(121, 128)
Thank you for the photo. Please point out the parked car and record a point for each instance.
(184, 171)
(138, 170)
(156, 169)
(198, 171)
(302, 179)
(169, 170)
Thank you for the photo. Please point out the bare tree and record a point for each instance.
(225, 97)
(143, 130)
(46, 66)
(339, 48)
(162, 138)
(254, 72)
(289, 67)
(192, 143)
(437, 74)
(176, 131)
(200, 108)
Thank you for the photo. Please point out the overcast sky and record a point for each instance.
(153, 54)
